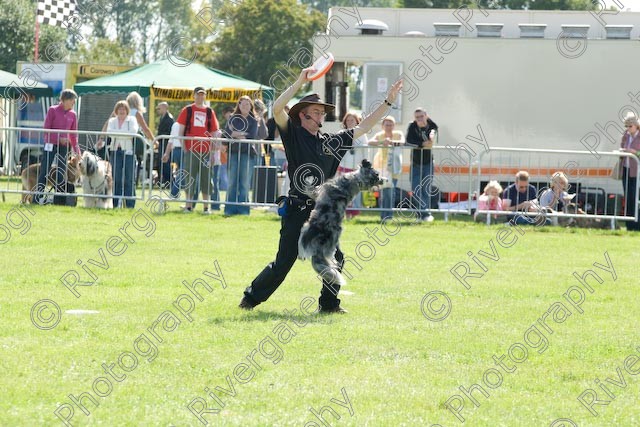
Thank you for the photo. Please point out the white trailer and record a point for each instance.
(521, 79)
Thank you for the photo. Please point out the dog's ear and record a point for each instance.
(366, 163)
(91, 166)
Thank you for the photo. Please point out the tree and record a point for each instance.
(149, 27)
(436, 4)
(502, 4)
(324, 5)
(17, 20)
(177, 22)
(259, 37)
(103, 51)
(550, 4)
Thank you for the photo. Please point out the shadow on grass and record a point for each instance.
(268, 316)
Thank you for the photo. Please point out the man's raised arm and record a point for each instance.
(279, 114)
(372, 119)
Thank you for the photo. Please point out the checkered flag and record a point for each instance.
(55, 12)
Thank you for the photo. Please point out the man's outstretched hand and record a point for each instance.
(393, 92)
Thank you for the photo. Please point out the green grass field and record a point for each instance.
(383, 364)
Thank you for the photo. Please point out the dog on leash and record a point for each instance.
(320, 235)
(30, 177)
(96, 181)
(582, 221)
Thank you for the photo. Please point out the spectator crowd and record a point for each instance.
(221, 159)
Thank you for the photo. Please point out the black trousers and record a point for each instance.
(274, 274)
(630, 198)
(59, 156)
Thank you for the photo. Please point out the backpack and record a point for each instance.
(190, 115)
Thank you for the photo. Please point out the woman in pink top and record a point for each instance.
(56, 145)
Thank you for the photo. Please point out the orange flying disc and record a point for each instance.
(321, 66)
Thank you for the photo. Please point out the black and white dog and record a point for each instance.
(320, 235)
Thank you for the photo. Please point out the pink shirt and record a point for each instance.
(484, 204)
(58, 118)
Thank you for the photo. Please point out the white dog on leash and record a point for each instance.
(96, 181)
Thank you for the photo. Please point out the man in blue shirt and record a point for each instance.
(518, 196)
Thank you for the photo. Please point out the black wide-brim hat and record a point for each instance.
(313, 99)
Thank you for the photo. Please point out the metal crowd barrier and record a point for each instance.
(232, 173)
(441, 188)
(254, 179)
(598, 195)
(237, 174)
(24, 149)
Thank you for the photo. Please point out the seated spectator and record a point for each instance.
(519, 196)
(556, 197)
(489, 201)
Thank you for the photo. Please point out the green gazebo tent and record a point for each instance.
(13, 86)
(165, 80)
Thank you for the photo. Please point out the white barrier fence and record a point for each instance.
(117, 181)
(238, 175)
(241, 174)
(598, 195)
(215, 172)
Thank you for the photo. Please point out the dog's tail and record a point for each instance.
(327, 270)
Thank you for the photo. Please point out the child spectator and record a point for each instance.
(556, 196)
(489, 201)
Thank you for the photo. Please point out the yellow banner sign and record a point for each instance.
(222, 95)
(90, 70)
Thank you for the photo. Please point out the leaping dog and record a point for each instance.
(320, 235)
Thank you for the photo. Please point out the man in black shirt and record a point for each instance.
(421, 134)
(164, 128)
(313, 157)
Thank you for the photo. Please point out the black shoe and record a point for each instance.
(245, 304)
(334, 310)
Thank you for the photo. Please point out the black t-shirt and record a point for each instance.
(416, 135)
(312, 159)
(164, 127)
